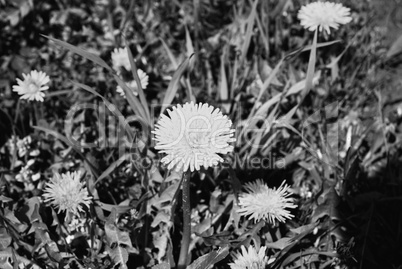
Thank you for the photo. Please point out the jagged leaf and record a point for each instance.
(8, 253)
(114, 235)
(5, 238)
(119, 255)
(329, 205)
(209, 259)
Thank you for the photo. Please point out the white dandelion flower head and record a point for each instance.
(250, 259)
(192, 135)
(120, 59)
(133, 84)
(67, 193)
(33, 85)
(262, 202)
(323, 15)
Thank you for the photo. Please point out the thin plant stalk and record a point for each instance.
(311, 67)
(185, 241)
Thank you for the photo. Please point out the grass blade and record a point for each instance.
(68, 142)
(132, 99)
(311, 68)
(110, 106)
(113, 166)
(223, 85)
(90, 56)
(189, 45)
(174, 84)
(170, 54)
(249, 32)
(307, 48)
(139, 86)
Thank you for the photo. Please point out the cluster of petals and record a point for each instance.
(323, 15)
(67, 193)
(263, 203)
(250, 258)
(120, 59)
(193, 135)
(133, 84)
(32, 86)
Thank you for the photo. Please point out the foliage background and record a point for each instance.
(348, 212)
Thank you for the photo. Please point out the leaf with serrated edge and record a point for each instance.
(114, 234)
(209, 259)
(119, 255)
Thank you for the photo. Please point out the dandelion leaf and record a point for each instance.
(207, 260)
(119, 242)
(304, 228)
(280, 244)
(328, 207)
(9, 253)
(119, 255)
(116, 236)
(5, 238)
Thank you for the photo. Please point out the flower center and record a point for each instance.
(33, 87)
(198, 140)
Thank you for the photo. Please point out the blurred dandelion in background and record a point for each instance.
(120, 59)
(262, 202)
(192, 136)
(250, 259)
(33, 85)
(67, 193)
(323, 15)
(133, 85)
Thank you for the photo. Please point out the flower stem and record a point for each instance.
(185, 241)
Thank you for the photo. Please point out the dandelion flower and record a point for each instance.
(133, 85)
(32, 86)
(66, 192)
(323, 15)
(262, 202)
(192, 136)
(250, 259)
(120, 59)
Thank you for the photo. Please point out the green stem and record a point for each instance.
(310, 68)
(185, 241)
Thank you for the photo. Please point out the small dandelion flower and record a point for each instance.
(192, 136)
(32, 86)
(323, 15)
(133, 85)
(262, 202)
(120, 59)
(250, 259)
(66, 192)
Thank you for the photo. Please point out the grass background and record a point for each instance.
(349, 200)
